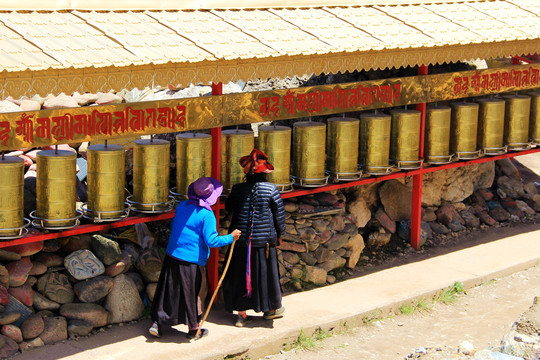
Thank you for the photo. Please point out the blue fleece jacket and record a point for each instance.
(193, 233)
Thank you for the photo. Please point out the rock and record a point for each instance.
(93, 289)
(326, 199)
(325, 236)
(290, 257)
(511, 186)
(385, 220)
(359, 209)
(77, 328)
(4, 295)
(379, 238)
(9, 318)
(337, 241)
(315, 275)
(45, 313)
(291, 246)
(367, 192)
(522, 205)
(486, 219)
(42, 303)
(124, 302)
(428, 215)
(425, 232)
(32, 344)
(32, 327)
(49, 259)
(499, 214)
(307, 234)
(9, 255)
(93, 313)
(31, 281)
(334, 262)
(438, 228)
(330, 279)
(308, 258)
(508, 168)
(51, 245)
(466, 348)
(305, 209)
(55, 330)
(290, 206)
(149, 264)
(355, 245)
(447, 213)
(530, 188)
(56, 287)
(106, 250)
(322, 254)
(19, 271)
(290, 229)
(320, 225)
(485, 194)
(396, 199)
(38, 268)
(455, 226)
(4, 277)
(404, 230)
(296, 273)
(24, 294)
(83, 264)
(115, 269)
(309, 199)
(337, 223)
(470, 220)
(26, 249)
(78, 242)
(8, 347)
(151, 291)
(12, 332)
(139, 282)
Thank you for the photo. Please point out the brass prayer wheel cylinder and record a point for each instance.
(405, 136)
(342, 147)
(516, 124)
(374, 143)
(464, 129)
(151, 161)
(534, 128)
(234, 144)
(56, 188)
(308, 156)
(11, 195)
(275, 142)
(437, 140)
(491, 125)
(193, 159)
(106, 181)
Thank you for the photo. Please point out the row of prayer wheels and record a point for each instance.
(306, 155)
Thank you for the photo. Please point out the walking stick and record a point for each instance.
(216, 290)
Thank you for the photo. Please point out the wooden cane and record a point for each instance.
(216, 290)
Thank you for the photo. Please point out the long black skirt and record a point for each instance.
(175, 301)
(266, 288)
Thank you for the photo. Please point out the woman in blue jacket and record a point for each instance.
(193, 233)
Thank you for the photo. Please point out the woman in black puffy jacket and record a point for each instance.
(252, 281)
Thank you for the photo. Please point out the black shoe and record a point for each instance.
(242, 321)
(191, 334)
(274, 314)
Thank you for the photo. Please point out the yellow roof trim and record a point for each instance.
(105, 79)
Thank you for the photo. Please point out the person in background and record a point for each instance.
(252, 281)
(193, 233)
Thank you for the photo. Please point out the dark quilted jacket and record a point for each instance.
(269, 214)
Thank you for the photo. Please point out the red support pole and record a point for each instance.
(416, 206)
(213, 260)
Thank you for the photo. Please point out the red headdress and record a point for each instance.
(256, 162)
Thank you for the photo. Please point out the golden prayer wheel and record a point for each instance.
(56, 188)
(405, 139)
(464, 130)
(491, 126)
(516, 123)
(12, 222)
(151, 161)
(437, 140)
(342, 149)
(234, 144)
(534, 128)
(106, 183)
(308, 156)
(275, 142)
(374, 143)
(193, 160)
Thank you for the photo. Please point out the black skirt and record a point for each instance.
(175, 301)
(266, 288)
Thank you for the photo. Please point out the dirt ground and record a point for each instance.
(481, 316)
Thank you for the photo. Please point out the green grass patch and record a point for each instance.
(304, 342)
(450, 294)
(372, 317)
